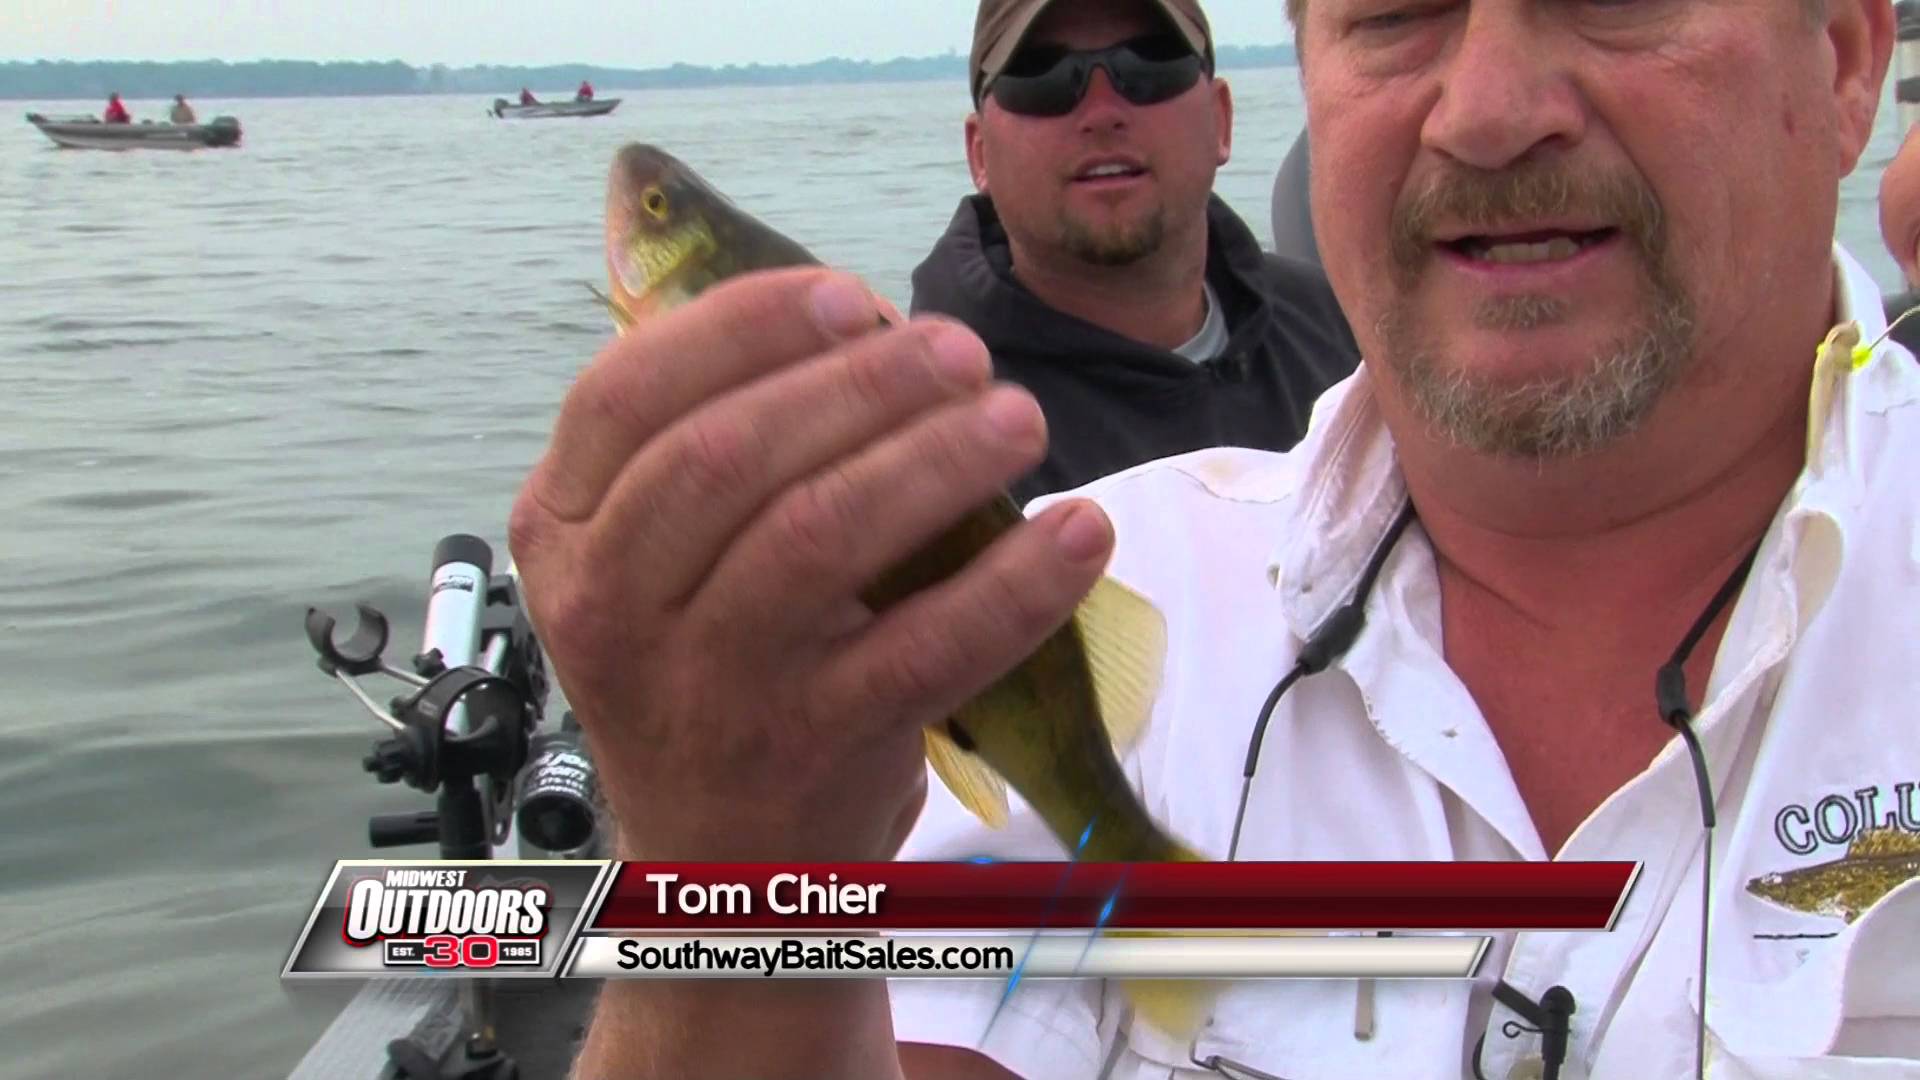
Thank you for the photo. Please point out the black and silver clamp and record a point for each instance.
(467, 733)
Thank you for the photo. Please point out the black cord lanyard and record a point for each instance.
(1329, 643)
(1552, 1015)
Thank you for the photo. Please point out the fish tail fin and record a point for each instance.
(1177, 1008)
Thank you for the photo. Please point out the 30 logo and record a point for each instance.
(460, 951)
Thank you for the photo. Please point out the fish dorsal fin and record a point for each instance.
(1125, 638)
(979, 789)
(1883, 843)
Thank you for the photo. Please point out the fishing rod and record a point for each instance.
(470, 734)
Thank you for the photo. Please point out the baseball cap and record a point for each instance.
(1001, 26)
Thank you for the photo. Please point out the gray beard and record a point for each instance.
(1556, 415)
(1548, 417)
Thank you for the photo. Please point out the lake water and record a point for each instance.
(233, 384)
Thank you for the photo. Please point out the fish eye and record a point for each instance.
(655, 201)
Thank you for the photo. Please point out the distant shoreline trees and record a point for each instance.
(136, 79)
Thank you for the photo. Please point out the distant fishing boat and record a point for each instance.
(507, 110)
(90, 133)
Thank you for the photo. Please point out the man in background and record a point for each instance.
(1900, 230)
(182, 112)
(1096, 262)
(116, 111)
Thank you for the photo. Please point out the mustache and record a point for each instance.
(1463, 196)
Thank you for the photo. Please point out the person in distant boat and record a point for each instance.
(1094, 258)
(182, 112)
(116, 112)
(585, 93)
(527, 98)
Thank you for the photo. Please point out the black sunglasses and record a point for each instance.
(1050, 80)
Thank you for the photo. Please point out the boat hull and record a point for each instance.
(86, 133)
(548, 110)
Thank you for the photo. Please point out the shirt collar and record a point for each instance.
(1351, 488)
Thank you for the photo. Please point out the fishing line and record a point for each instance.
(1329, 643)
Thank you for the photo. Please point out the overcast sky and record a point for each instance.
(616, 33)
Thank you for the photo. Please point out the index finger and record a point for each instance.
(664, 367)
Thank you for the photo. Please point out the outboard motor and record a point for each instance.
(223, 131)
(1292, 209)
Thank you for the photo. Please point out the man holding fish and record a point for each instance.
(1618, 373)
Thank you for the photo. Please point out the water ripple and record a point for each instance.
(126, 500)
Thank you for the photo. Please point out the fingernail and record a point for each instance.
(843, 307)
(958, 356)
(1012, 413)
(1083, 535)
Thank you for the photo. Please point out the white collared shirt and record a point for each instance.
(1810, 724)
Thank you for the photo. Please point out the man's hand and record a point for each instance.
(722, 483)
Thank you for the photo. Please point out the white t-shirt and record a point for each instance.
(1810, 723)
(1212, 338)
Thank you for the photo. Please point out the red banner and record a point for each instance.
(1146, 896)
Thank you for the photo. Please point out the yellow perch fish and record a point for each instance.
(1052, 725)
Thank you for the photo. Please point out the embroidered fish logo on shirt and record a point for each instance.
(1877, 862)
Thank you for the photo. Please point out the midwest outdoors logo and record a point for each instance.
(436, 919)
